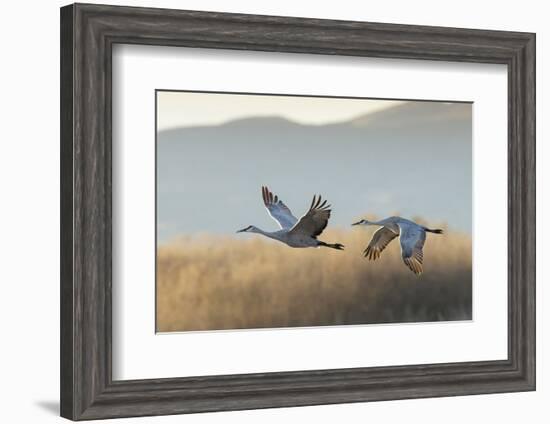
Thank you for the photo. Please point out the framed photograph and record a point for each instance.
(262, 211)
(373, 152)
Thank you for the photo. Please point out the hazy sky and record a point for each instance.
(403, 159)
(182, 109)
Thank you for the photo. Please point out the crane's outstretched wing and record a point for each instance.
(278, 210)
(412, 241)
(380, 239)
(315, 220)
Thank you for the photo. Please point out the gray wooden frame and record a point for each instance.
(88, 33)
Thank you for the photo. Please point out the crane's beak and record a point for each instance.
(357, 223)
(243, 230)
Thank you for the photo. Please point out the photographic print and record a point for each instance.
(302, 211)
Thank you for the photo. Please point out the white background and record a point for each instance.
(30, 172)
(138, 70)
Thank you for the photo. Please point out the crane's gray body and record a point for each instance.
(295, 232)
(412, 237)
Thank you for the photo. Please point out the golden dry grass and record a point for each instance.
(209, 283)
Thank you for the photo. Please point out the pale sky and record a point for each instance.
(183, 109)
(347, 164)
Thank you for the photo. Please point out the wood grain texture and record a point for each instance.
(88, 33)
(66, 211)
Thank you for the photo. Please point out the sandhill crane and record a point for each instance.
(294, 232)
(411, 235)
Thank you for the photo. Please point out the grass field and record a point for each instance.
(213, 283)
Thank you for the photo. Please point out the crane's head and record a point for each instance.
(362, 222)
(249, 229)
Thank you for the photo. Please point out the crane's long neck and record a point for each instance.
(381, 222)
(272, 235)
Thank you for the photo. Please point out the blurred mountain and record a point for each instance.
(415, 115)
(415, 158)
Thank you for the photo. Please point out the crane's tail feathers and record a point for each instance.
(336, 246)
(436, 231)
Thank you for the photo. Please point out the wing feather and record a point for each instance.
(278, 210)
(315, 220)
(412, 242)
(380, 239)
